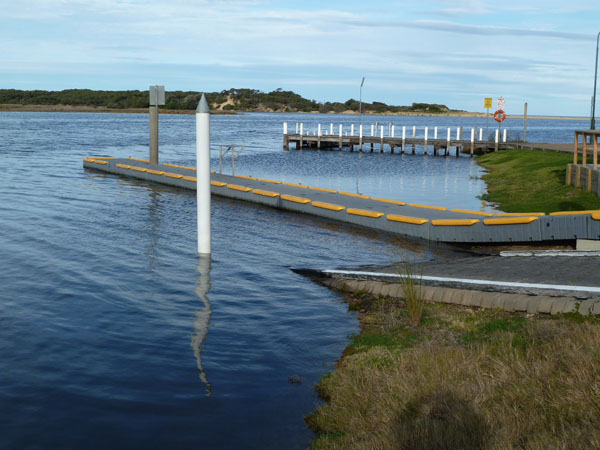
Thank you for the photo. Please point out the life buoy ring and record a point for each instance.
(499, 116)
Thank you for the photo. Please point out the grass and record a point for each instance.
(463, 379)
(532, 181)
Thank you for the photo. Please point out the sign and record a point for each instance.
(157, 95)
(501, 103)
(487, 102)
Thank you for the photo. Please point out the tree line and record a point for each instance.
(228, 100)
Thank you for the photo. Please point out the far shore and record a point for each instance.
(92, 109)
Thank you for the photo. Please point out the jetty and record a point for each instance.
(385, 138)
(429, 222)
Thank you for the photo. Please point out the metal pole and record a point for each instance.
(525, 124)
(203, 175)
(593, 122)
(153, 134)
(360, 101)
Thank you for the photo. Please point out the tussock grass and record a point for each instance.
(532, 181)
(464, 379)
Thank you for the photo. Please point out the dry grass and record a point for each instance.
(465, 380)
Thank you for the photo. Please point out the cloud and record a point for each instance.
(452, 27)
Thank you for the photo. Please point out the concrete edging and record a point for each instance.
(532, 304)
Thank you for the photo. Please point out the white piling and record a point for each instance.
(203, 175)
(285, 128)
(435, 133)
(302, 128)
(481, 134)
(458, 133)
(372, 130)
(472, 140)
(341, 130)
(360, 136)
(319, 130)
(504, 135)
(393, 131)
(381, 132)
(426, 133)
(448, 143)
(296, 127)
(496, 138)
(352, 130)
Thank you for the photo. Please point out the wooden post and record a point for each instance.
(576, 149)
(153, 134)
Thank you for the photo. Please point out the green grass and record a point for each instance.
(532, 181)
(464, 378)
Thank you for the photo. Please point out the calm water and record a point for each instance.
(112, 332)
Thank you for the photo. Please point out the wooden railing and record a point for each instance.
(593, 136)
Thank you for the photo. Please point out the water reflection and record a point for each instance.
(202, 321)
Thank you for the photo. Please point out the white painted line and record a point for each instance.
(557, 287)
(551, 253)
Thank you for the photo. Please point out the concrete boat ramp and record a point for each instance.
(430, 222)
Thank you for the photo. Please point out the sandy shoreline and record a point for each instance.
(91, 109)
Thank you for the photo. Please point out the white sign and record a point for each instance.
(501, 102)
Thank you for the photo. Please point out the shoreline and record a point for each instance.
(92, 109)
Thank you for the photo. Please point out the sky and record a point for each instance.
(453, 52)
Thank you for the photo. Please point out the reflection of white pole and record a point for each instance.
(203, 175)
(202, 321)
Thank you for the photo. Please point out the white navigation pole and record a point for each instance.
(203, 175)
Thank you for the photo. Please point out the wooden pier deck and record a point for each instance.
(433, 223)
(463, 140)
(392, 144)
